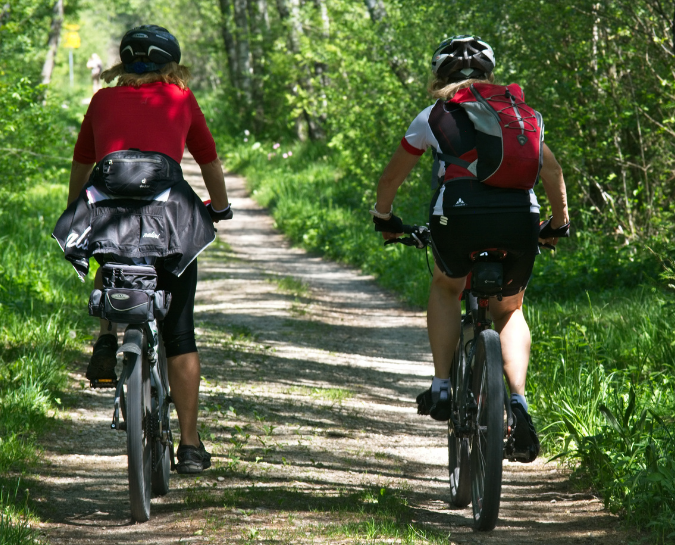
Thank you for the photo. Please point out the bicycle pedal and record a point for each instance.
(103, 383)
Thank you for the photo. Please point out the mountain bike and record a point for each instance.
(142, 397)
(480, 424)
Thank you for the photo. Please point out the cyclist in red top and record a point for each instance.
(152, 109)
(465, 216)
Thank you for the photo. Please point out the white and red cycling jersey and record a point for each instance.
(447, 130)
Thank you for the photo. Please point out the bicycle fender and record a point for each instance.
(133, 340)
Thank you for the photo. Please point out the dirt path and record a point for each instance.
(309, 377)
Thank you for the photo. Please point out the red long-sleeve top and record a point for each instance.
(154, 117)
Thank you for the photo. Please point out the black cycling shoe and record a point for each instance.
(103, 360)
(438, 410)
(192, 459)
(526, 445)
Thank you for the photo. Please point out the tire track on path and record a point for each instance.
(310, 374)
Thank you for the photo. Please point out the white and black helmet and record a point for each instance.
(462, 57)
(151, 42)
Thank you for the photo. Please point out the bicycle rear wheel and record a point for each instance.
(139, 444)
(459, 463)
(487, 441)
(161, 453)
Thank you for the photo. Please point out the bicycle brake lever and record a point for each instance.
(547, 246)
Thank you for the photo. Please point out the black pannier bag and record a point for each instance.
(129, 295)
(135, 173)
(487, 278)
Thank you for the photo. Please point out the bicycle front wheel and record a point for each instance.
(459, 464)
(487, 440)
(139, 443)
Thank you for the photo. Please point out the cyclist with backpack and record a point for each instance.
(489, 151)
(139, 130)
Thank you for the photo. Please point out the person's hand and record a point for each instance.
(549, 235)
(216, 216)
(390, 228)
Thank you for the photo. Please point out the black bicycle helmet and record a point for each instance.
(152, 42)
(462, 57)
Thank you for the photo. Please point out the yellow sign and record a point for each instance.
(72, 27)
(72, 40)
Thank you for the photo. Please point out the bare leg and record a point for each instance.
(443, 320)
(184, 376)
(515, 338)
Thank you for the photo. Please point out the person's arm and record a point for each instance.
(395, 173)
(554, 186)
(214, 179)
(79, 174)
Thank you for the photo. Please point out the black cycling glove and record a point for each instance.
(225, 214)
(393, 225)
(546, 231)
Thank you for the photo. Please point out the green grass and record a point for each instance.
(43, 322)
(15, 517)
(290, 285)
(602, 389)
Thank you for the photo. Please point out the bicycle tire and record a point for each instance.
(487, 441)
(459, 462)
(162, 472)
(139, 445)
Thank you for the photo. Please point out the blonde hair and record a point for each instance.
(171, 72)
(442, 89)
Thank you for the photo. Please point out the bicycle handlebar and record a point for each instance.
(419, 237)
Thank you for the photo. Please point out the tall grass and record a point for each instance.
(601, 383)
(602, 372)
(41, 326)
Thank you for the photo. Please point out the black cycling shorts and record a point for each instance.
(178, 328)
(516, 232)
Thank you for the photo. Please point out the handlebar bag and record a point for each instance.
(137, 277)
(487, 278)
(135, 173)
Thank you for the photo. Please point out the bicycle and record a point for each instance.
(480, 425)
(129, 296)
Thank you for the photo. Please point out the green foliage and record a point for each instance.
(601, 387)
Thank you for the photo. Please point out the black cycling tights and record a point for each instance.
(178, 328)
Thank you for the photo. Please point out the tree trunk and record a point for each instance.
(301, 125)
(320, 68)
(243, 50)
(53, 42)
(4, 14)
(264, 16)
(378, 14)
(230, 44)
(257, 11)
(376, 10)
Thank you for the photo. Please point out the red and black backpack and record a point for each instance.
(509, 136)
